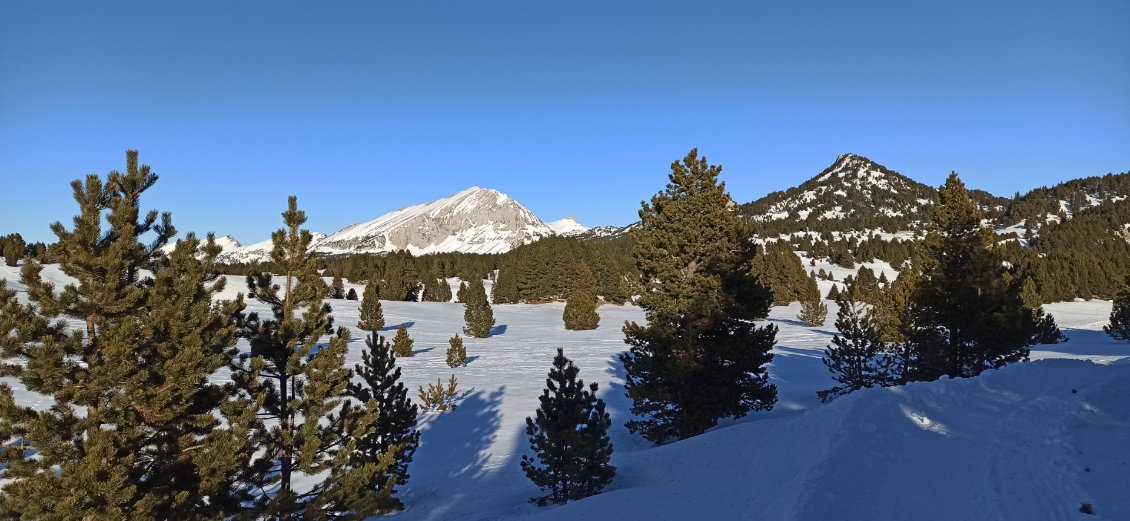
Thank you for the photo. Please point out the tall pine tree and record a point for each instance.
(569, 436)
(393, 439)
(133, 430)
(966, 315)
(700, 357)
(300, 386)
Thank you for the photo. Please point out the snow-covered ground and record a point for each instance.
(1031, 441)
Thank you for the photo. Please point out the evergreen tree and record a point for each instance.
(569, 438)
(337, 289)
(14, 249)
(780, 269)
(402, 343)
(478, 315)
(834, 293)
(300, 386)
(813, 312)
(580, 311)
(1119, 326)
(700, 357)
(865, 287)
(147, 442)
(372, 318)
(505, 290)
(966, 315)
(393, 438)
(1044, 328)
(438, 291)
(891, 310)
(462, 290)
(351, 295)
(456, 353)
(858, 359)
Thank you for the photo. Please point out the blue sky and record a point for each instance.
(571, 108)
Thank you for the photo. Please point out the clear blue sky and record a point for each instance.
(569, 107)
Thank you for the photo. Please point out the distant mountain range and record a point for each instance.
(854, 194)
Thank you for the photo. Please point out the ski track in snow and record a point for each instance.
(1012, 444)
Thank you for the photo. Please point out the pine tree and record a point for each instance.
(402, 343)
(351, 294)
(337, 289)
(569, 438)
(460, 293)
(891, 311)
(478, 315)
(700, 357)
(1044, 328)
(438, 291)
(1119, 326)
(813, 312)
(505, 290)
(147, 442)
(966, 314)
(393, 438)
(14, 249)
(372, 318)
(300, 386)
(834, 293)
(858, 359)
(865, 287)
(456, 353)
(580, 311)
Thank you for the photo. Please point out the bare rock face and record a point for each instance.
(475, 220)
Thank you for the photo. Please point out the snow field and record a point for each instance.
(1017, 443)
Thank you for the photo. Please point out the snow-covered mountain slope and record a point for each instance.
(257, 252)
(475, 220)
(854, 194)
(853, 186)
(567, 227)
(226, 243)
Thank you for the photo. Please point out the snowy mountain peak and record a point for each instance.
(474, 220)
(567, 227)
(852, 187)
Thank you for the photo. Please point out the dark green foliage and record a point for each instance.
(477, 313)
(456, 353)
(393, 438)
(891, 312)
(134, 430)
(966, 313)
(300, 387)
(337, 289)
(13, 248)
(857, 358)
(459, 295)
(813, 312)
(1119, 326)
(778, 267)
(700, 357)
(351, 294)
(402, 343)
(438, 291)
(864, 287)
(569, 437)
(553, 268)
(371, 316)
(834, 293)
(580, 311)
